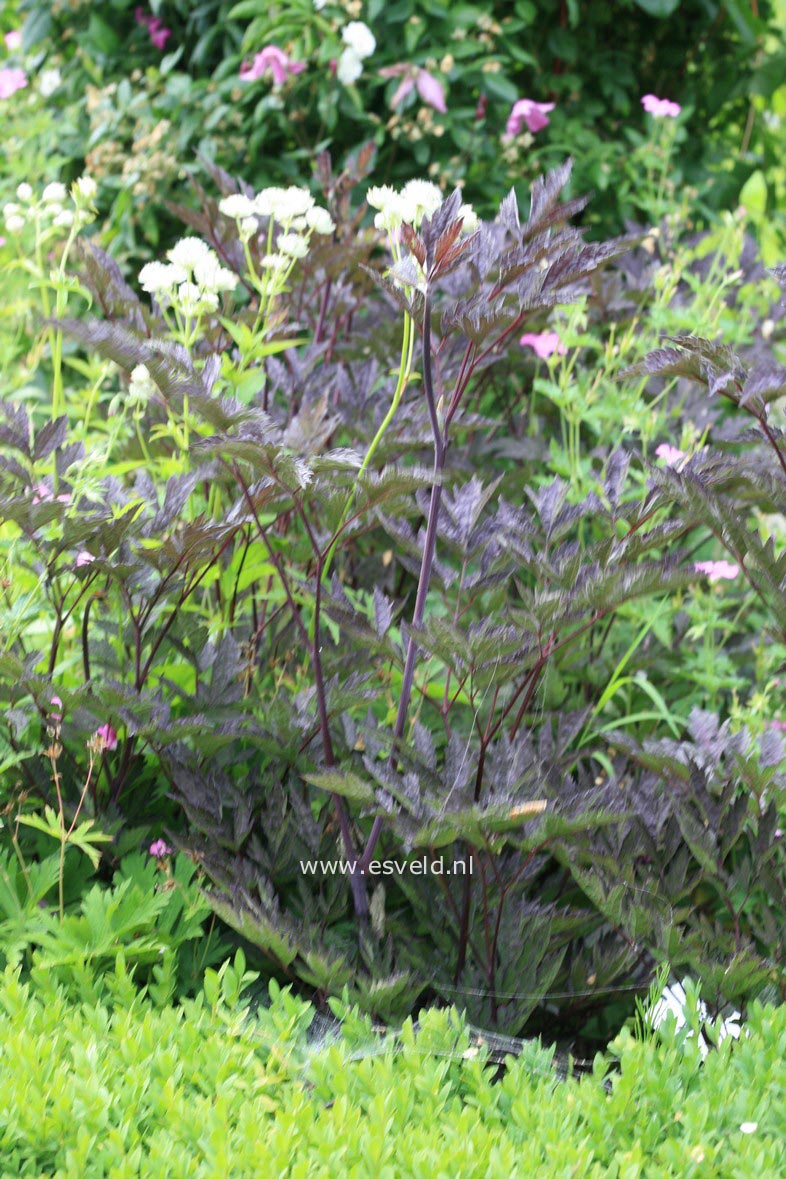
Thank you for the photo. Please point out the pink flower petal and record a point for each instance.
(543, 344)
(660, 108)
(430, 90)
(671, 455)
(107, 736)
(405, 87)
(717, 570)
(11, 79)
(13, 40)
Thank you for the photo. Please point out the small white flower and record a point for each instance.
(319, 5)
(320, 220)
(421, 198)
(84, 190)
(64, 219)
(11, 209)
(292, 245)
(158, 277)
(14, 223)
(141, 386)
(247, 227)
(48, 82)
(359, 38)
(275, 262)
(53, 194)
(283, 204)
(192, 300)
(470, 217)
(749, 1127)
(349, 67)
(187, 252)
(24, 191)
(237, 206)
(213, 277)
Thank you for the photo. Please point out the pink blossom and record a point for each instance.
(543, 344)
(779, 725)
(412, 76)
(671, 455)
(43, 494)
(158, 849)
(84, 558)
(274, 59)
(57, 705)
(158, 33)
(526, 110)
(717, 570)
(11, 80)
(13, 40)
(107, 736)
(660, 108)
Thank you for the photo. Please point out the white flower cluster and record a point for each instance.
(293, 211)
(417, 199)
(192, 279)
(50, 209)
(141, 386)
(359, 44)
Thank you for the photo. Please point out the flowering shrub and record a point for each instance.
(259, 90)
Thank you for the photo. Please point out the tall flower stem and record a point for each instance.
(404, 373)
(426, 565)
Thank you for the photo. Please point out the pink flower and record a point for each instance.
(543, 344)
(779, 725)
(13, 40)
(671, 455)
(107, 737)
(660, 108)
(274, 59)
(158, 849)
(428, 87)
(158, 33)
(717, 570)
(43, 494)
(526, 110)
(11, 80)
(84, 558)
(57, 705)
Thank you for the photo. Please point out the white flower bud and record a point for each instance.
(292, 245)
(237, 206)
(24, 191)
(320, 220)
(54, 193)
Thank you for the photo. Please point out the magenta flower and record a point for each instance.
(779, 725)
(57, 705)
(274, 59)
(11, 80)
(544, 344)
(159, 35)
(107, 737)
(13, 40)
(412, 77)
(671, 455)
(660, 108)
(158, 849)
(526, 110)
(717, 570)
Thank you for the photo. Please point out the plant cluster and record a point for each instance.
(118, 1086)
(480, 96)
(318, 546)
